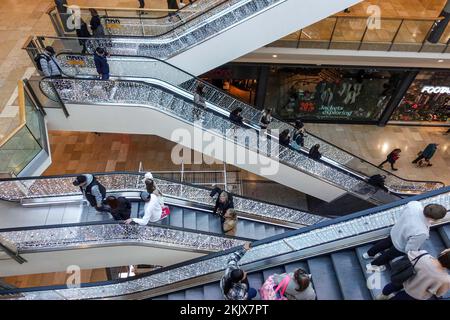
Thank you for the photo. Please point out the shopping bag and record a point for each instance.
(269, 291)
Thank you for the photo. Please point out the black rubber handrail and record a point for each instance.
(254, 244)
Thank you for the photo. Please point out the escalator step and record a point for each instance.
(212, 291)
(378, 280)
(435, 244)
(214, 224)
(444, 232)
(202, 221)
(189, 219)
(291, 267)
(249, 229)
(195, 294)
(270, 231)
(134, 209)
(260, 231)
(241, 228)
(176, 216)
(324, 278)
(350, 276)
(177, 296)
(256, 280)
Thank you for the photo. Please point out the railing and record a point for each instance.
(22, 189)
(187, 35)
(100, 234)
(176, 104)
(368, 33)
(139, 21)
(141, 67)
(26, 140)
(362, 225)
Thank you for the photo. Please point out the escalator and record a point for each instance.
(331, 251)
(220, 33)
(162, 92)
(50, 227)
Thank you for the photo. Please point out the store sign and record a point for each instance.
(434, 89)
(112, 23)
(334, 111)
(75, 60)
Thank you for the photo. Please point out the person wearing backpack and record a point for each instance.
(82, 34)
(120, 207)
(431, 278)
(378, 180)
(92, 190)
(299, 286)
(392, 157)
(46, 63)
(234, 283)
(410, 231)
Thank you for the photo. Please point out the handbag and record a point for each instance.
(270, 291)
(403, 269)
(165, 212)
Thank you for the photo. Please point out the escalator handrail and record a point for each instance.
(321, 161)
(255, 243)
(385, 172)
(156, 176)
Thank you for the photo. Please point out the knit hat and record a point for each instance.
(79, 180)
(148, 175)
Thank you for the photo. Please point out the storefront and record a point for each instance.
(341, 94)
(427, 99)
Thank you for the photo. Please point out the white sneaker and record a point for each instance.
(383, 297)
(367, 257)
(372, 268)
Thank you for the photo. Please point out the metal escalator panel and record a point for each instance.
(328, 249)
(221, 102)
(133, 93)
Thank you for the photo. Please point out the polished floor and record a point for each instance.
(374, 143)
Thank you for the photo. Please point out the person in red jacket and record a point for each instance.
(392, 158)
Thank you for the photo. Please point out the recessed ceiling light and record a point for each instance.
(440, 60)
(274, 56)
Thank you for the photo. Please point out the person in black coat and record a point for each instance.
(378, 180)
(314, 152)
(120, 208)
(285, 138)
(101, 63)
(223, 202)
(236, 117)
(83, 32)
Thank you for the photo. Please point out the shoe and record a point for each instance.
(372, 268)
(367, 257)
(394, 169)
(383, 297)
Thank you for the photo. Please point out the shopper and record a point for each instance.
(96, 25)
(378, 180)
(172, 5)
(236, 116)
(223, 203)
(408, 234)
(229, 225)
(299, 287)
(82, 34)
(266, 119)
(153, 211)
(285, 138)
(199, 101)
(234, 283)
(298, 138)
(119, 207)
(101, 63)
(431, 278)
(427, 154)
(314, 152)
(93, 191)
(46, 62)
(141, 4)
(392, 157)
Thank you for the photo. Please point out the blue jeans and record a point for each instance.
(252, 293)
(105, 76)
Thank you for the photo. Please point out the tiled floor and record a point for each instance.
(374, 143)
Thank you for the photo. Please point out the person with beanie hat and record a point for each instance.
(92, 190)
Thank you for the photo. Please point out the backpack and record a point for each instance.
(37, 60)
(270, 291)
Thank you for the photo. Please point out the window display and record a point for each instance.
(427, 99)
(330, 93)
